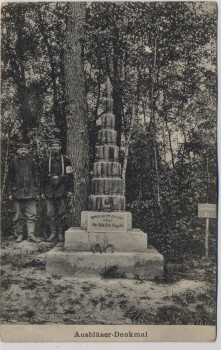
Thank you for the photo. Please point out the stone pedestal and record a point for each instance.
(86, 264)
(77, 239)
(94, 247)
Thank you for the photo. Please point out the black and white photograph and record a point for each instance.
(109, 184)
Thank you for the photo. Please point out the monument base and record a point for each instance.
(87, 264)
(77, 239)
(105, 241)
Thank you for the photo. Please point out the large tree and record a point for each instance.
(76, 107)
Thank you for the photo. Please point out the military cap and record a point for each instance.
(52, 141)
(22, 145)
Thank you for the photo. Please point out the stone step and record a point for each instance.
(108, 121)
(77, 239)
(109, 153)
(107, 169)
(107, 136)
(109, 105)
(107, 186)
(86, 264)
(106, 202)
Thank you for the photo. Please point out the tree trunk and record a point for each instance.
(153, 126)
(57, 108)
(124, 170)
(117, 86)
(17, 62)
(6, 165)
(76, 107)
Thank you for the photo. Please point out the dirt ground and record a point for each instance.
(185, 295)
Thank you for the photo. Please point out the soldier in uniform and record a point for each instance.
(23, 189)
(56, 186)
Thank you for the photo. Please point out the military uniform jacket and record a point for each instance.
(56, 167)
(23, 182)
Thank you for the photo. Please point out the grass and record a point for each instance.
(171, 315)
(140, 316)
(112, 272)
(85, 303)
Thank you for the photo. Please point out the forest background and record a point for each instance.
(161, 60)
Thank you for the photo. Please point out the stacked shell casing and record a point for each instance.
(107, 184)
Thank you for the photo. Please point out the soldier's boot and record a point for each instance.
(19, 229)
(53, 235)
(20, 238)
(60, 238)
(31, 232)
(33, 238)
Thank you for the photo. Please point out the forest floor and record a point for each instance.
(185, 295)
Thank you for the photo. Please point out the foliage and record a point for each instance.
(32, 66)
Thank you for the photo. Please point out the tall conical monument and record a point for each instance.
(106, 237)
(107, 184)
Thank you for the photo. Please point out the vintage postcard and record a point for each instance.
(109, 172)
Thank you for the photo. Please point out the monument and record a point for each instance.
(106, 237)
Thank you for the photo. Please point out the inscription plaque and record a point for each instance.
(104, 222)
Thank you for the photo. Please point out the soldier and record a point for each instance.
(56, 185)
(23, 189)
